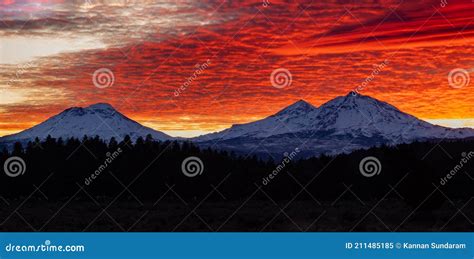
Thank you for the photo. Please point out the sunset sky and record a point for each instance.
(50, 49)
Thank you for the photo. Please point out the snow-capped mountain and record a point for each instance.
(341, 125)
(359, 114)
(293, 118)
(96, 120)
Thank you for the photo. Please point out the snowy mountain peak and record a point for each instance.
(293, 118)
(345, 123)
(352, 100)
(298, 108)
(300, 104)
(99, 119)
(353, 114)
(100, 106)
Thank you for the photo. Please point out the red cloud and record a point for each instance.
(329, 48)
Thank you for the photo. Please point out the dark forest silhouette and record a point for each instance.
(159, 164)
(148, 168)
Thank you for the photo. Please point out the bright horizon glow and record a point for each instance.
(186, 133)
(453, 123)
(450, 123)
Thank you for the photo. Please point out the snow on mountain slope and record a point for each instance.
(291, 119)
(359, 114)
(341, 125)
(99, 119)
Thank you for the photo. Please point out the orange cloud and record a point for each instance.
(330, 49)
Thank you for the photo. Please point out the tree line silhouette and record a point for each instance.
(148, 168)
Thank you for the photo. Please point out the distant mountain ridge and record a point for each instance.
(100, 119)
(296, 116)
(341, 125)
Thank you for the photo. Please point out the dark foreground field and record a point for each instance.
(245, 215)
(90, 185)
